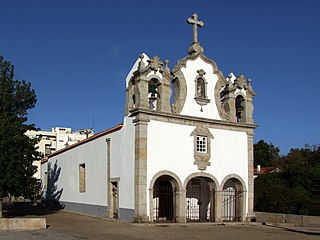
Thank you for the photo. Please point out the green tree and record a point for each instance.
(17, 151)
(294, 186)
(265, 154)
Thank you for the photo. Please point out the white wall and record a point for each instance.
(122, 163)
(94, 155)
(171, 148)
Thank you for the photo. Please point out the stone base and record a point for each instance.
(140, 219)
(22, 223)
(251, 217)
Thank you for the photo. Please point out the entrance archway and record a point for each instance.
(200, 200)
(165, 199)
(232, 200)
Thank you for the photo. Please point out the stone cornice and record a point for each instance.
(191, 120)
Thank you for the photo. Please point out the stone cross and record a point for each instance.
(194, 21)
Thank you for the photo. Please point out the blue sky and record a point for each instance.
(77, 53)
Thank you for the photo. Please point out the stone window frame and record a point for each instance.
(202, 158)
(82, 177)
(203, 98)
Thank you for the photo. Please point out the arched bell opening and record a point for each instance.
(200, 200)
(165, 191)
(233, 197)
(240, 106)
(153, 93)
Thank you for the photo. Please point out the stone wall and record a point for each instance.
(22, 223)
(296, 220)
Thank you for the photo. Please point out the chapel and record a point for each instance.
(184, 151)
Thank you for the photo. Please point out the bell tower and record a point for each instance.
(191, 104)
(149, 87)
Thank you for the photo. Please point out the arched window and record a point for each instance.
(240, 107)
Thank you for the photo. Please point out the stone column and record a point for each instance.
(109, 187)
(250, 191)
(141, 92)
(249, 109)
(165, 91)
(229, 105)
(181, 218)
(140, 170)
(218, 207)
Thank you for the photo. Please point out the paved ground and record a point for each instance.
(67, 226)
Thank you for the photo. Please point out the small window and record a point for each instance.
(82, 177)
(201, 144)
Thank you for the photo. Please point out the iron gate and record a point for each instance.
(163, 202)
(231, 205)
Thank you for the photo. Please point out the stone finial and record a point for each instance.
(240, 81)
(155, 63)
(141, 64)
(166, 62)
(195, 22)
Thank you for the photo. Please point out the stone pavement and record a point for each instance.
(70, 226)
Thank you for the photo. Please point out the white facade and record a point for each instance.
(186, 159)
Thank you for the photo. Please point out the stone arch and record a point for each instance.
(230, 176)
(165, 172)
(200, 174)
(233, 190)
(164, 197)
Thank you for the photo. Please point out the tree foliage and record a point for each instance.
(265, 154)
(294, 185)
(17, 151)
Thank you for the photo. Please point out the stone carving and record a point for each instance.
(202, 158)
(195, 46)
(201, 89)
(195, 22)
(155, 64)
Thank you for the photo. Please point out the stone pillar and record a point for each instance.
(249, 110)
(181, 213)
(250, 191)
(218, 207)
(109, 187)
(229, 105)
(140, 170)
(165, 91)
(141, 92)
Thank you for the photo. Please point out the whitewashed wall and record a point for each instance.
(94, 155)
(122, 163)
(171, 148)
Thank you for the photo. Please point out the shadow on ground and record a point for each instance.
(26, 209)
